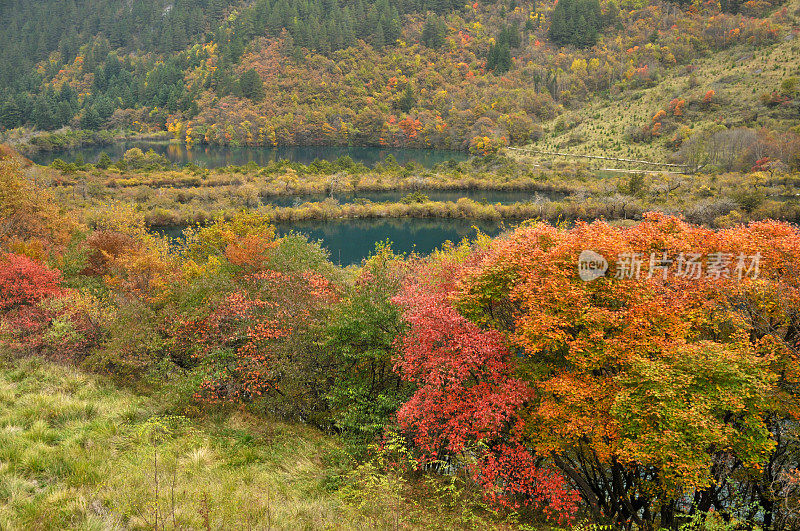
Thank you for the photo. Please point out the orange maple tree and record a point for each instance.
(638, 389)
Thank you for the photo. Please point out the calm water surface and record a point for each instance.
(484, 196)
(350, 241)
(219, 156)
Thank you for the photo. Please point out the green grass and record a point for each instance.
(77, 452)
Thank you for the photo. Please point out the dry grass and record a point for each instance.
(738, 75)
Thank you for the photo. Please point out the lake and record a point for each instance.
(219, 156)
(504, 197)
(348, 241)
(351, 240)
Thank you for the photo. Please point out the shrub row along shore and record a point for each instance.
(551, 211)
(168, 195)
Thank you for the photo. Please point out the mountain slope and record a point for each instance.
(634, 78)
(739, 87)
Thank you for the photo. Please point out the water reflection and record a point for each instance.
(219, 156)
(482, 196)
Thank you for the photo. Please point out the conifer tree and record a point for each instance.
(576, 22)
(251, 86)
(433, 32)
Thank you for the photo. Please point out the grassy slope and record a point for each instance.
(78, 453)
(738, 75)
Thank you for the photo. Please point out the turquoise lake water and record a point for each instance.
(350, 241)
(219, 156)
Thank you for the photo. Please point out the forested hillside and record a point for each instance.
(182, 346)
(403, 73)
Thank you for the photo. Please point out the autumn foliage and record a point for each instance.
(637, 390)
(251, 336)
(661, 390)
(25, 282)
(30, 221)
(37, 315)
(468, 402)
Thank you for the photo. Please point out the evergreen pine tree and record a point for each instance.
(499, 58)
(10, 114)
(44, 113)
(576, 22)
(64, 113)
(90, 118)
(251, 86)
(378, 39)
(558, 23)
(407, 100)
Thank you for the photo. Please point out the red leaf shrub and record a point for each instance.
(468, 401)
(261, 325)
(37, 314)
(25, 282)
(104, 247)
(637, 384)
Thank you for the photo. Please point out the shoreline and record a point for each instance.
(32, 142)
(68, 139)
